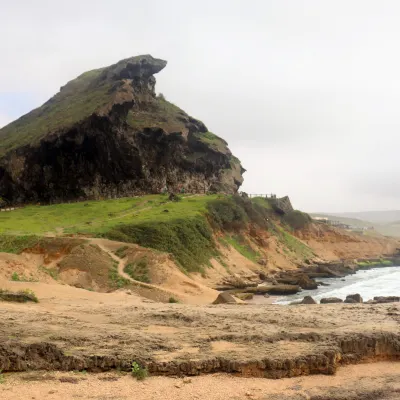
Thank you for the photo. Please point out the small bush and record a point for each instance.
(297, 219)
(15, 277)
(121, 252)
(139, 271)
(173, 300)
(2, 379)
(139, 372)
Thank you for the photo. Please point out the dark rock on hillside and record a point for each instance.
(106, 134)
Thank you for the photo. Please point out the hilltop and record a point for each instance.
(106, 134)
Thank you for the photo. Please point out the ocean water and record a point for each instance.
(368, 283)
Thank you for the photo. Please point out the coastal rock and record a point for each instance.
(328, 300)
(225, 298)
(308, 300)
(356, 297)
(387, 299)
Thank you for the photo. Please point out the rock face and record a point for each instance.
(106, 134)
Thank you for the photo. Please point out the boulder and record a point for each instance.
(350, 300)
(356, 297)
(262, 261)
(387, 299)
(327, 300)
(308, 300)
(245, 296)
(225, 298)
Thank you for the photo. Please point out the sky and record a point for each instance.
(306, 92)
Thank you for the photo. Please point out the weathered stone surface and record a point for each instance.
(327, 300)
(19, 297)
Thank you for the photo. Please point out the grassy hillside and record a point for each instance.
(184, 228)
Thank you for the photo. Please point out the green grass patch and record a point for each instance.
(243, 247)
(53, 272)
(21, 278)
(214, 142)
(121, 252)
(139, 270)
(16, 244)
(293, 244)
(116, 281)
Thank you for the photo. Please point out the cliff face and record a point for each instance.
(107, 134)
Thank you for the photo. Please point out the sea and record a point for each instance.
(383, 281)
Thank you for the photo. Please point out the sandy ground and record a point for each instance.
(366, 381)
(83, 323)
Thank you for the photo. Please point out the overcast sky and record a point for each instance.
(306, 92)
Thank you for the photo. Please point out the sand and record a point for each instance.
(379, 380)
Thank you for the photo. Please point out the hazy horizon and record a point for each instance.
(306, 93)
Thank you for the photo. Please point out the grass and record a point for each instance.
(139, 271)
(49, 271)
(244, 248)
(121, 252)
(173, 300)
(21, 278)
(115, 279)
(214, 142)
(293, 244)
(372, 264)
(16, 244)
(138, 371)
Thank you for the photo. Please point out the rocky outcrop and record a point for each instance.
(106, 134)
(225, 298)
(18, 297)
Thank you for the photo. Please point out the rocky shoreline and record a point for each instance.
(305, 278)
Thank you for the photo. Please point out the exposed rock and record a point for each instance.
(350, 300)
(245, 296)
(225, 298)
(327, 300)
(262, 261)
(387, 299)
(19, 297)
(356, 297)
(301, 280)
(308, 300)
(107, 135)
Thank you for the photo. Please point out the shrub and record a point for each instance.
(121, 252)
(15, 277)
(138, 371)
(297, 219)
(139, 271)
(173, 300)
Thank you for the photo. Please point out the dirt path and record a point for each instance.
(378, 381)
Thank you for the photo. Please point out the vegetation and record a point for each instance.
(16, 244)
(121, 252)
(293, 244)
(139, 372)
(2, 379)
(173, 300)
(21, 296)
(243, 247)
(50, 271)
(139, 271)
(297, 219)
(372, 264)
(21, 278)
(213, 141)
(115, 279)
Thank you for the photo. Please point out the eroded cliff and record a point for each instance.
(106, 134)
